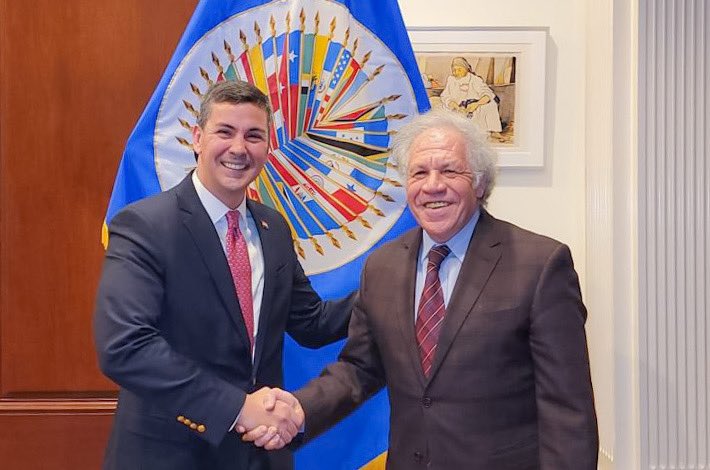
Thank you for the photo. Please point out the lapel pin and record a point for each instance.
(264, 225)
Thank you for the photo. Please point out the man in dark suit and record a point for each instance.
(198, 286)
(475, 326)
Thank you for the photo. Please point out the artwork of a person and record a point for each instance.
(467, 93)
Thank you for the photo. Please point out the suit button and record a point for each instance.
(193, 426)
(426, 401)
(201, 428)
(181, 418)
(418, 457)
(187, 422)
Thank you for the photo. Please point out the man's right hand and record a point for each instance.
(268, 436)
(270, 418)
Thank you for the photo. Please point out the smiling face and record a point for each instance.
(233, 147)
(440, 190)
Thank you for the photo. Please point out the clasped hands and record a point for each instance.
(270, 418)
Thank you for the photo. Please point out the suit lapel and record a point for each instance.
(410, 243)
(270, 251)
(484, 251)
(198, 223)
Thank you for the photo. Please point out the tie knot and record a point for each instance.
(437, 255)
(233, 220)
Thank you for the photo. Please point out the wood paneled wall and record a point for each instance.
(74, 77)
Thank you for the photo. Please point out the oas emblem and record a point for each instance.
(338, 95)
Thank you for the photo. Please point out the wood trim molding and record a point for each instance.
(57, 406)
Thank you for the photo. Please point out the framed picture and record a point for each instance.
(496, 77)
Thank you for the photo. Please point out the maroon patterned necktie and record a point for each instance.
(431, 308)
(238, 260)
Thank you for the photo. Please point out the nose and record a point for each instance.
(237, 146)
(434, 182)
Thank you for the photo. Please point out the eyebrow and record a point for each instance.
(223, 125)
(446, 164)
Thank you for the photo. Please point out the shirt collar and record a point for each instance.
(458, 244)
(215, 208)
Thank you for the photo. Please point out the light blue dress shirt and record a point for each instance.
(450, 267)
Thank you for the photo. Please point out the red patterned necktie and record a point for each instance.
(238, 259)
(431, 308)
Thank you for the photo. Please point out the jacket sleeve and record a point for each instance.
(346, 384)
(312, 322)
(567, 422)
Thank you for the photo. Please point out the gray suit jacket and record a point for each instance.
(170, 333)
(510, 386)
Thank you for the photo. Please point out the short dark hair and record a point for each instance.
(235, 92)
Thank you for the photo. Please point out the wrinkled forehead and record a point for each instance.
(440, 143)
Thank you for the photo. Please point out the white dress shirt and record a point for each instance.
(450, 267)
(217, 211)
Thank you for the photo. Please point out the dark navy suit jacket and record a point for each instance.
(169, 332)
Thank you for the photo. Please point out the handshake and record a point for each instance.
(270, 418)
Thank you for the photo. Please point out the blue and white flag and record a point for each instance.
(341, 78)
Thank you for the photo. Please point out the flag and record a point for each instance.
(341, 78)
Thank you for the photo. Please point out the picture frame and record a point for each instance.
(494, 76)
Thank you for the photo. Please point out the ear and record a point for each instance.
(197, 139)
(481, 188)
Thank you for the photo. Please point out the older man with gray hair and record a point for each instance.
(474, 325)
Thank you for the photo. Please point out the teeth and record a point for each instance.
(235, 166)
(436, 205)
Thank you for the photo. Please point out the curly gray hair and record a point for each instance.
(481, 157)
